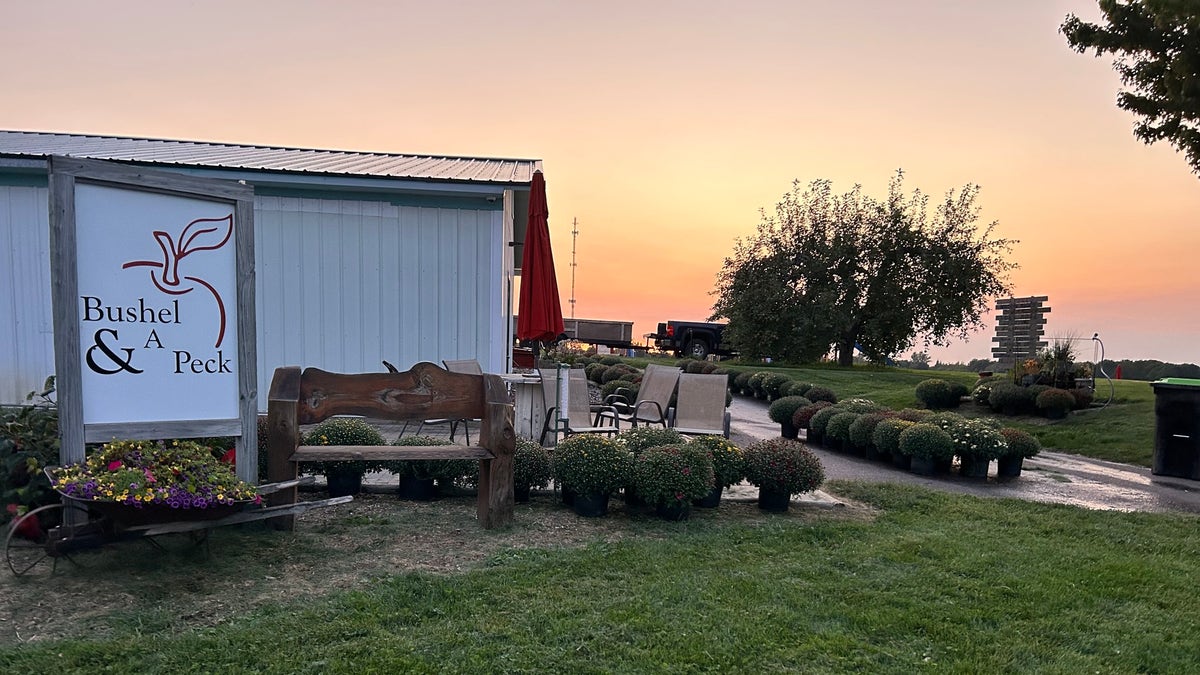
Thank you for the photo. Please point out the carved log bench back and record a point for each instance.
(423, 392)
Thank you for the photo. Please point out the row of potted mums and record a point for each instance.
(657, 467)
(662, 470)
(922, 441)
(651, 466)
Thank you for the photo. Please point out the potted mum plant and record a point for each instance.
(417, 476)
(729, 467)
(804, 415)
(671, 476)
(820, 422)
(886, 439)
(837, 431)
(977, 443)
(639, 439)
(861, 432)
(591, 466)
(783, 410)
(140, 482)
(343, 477)
(781, 468)
(1021, 445)
(928, 445)
(1055, 403)
(531, 468)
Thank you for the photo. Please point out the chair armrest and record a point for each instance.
(606, 411)
(657, 408)
(619, 400)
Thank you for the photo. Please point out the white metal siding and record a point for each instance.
(341, 285)
(344, 285)
(27, 330)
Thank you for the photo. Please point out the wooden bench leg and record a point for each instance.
(483, 506)
(282, 439)
(495, 504)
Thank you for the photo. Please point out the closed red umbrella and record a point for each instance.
(539, 312)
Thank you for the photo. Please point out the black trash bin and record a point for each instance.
(1177, 427)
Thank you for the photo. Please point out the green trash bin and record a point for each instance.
(1177, 427)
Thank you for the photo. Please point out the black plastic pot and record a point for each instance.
(344, 483)
(710, 501)
(417, 489)
(773, 501)
(591, 505)
(1009, 467)
(975, 468)
(674, 511)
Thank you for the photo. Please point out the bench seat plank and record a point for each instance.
(319, 453)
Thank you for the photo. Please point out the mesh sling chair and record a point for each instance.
(700, 406)
(653, 399)
(578, 409)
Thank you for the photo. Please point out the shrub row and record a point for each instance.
(1013, 399)
(870, 430)
(772, 386)
(664, 468)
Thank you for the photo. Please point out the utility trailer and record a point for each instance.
(617, 334)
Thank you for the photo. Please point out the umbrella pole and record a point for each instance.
(564, 372)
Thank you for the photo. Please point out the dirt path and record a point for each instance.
(1050, 477)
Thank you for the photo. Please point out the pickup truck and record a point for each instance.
(691, 338)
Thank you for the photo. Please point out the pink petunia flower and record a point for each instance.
(114, 465)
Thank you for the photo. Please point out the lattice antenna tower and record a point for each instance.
(574, 236)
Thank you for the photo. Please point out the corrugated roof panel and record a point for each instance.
(268, 158)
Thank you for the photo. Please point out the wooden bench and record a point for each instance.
(423, 392)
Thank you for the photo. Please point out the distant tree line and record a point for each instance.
(1150, 369)
(1147, 369)
(921, 361)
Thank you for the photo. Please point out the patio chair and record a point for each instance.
(700, 406)
(466, 366)
(579, 409)
(653, 398)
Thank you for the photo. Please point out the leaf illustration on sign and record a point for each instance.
(202, 234)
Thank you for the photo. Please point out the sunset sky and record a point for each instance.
(666, 126)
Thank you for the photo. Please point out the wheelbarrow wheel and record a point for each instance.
(27, 543)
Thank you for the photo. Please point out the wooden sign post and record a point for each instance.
(1019, 329)
(153, 286)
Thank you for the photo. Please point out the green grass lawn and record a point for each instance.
(1120, 432)
(929, 581)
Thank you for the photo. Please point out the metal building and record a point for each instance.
(360, 257)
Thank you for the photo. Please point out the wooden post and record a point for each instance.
(283, 435)
(247, 443)
(496, 497)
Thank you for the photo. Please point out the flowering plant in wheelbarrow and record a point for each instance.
(172, 476)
